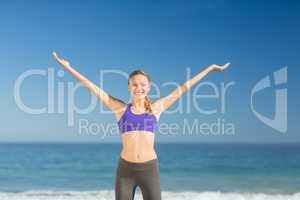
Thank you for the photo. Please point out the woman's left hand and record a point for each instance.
(219, 67)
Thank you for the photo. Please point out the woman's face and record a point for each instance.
(138, 86)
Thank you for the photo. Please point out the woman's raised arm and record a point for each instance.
(112, 103)
(164, 103)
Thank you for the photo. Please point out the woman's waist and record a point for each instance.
(141, 150)
(138, 155)
(124, 162)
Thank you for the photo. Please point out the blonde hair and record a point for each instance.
(147, 104)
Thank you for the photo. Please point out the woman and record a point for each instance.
(137, 121)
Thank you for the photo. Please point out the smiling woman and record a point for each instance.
(137, 121)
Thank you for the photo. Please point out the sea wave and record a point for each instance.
(166, 195)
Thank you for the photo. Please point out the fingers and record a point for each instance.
(226, 65)
(55, 55)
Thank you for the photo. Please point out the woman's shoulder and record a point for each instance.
(119, 112)
(155, 110)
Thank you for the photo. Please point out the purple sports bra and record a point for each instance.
(133, 122)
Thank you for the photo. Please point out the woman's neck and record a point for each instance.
(138, 105)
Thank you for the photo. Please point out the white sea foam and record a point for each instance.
(166, 195)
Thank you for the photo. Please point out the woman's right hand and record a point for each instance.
(60, 61)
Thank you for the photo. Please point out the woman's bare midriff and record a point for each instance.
(138, 146)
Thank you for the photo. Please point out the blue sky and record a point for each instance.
(165, 39)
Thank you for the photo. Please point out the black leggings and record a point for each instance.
(131, 174)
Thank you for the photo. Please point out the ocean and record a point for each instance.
(192, 171)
